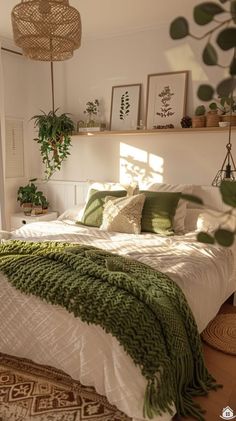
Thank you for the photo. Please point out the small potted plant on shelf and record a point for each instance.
(213, 117)
(91, 125)
(32, 201)
(199, 119)
(228, 108)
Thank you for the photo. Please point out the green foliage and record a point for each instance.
(179, 28)
(204, 237)
(54, 139)
(213, 106)
(225, 32)
(31, 194)
(200, 110)
(92, 108)
(205, 92)
(204, 13)
(209, 55)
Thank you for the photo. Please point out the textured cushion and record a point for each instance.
(93, 211)
(123, 214)
(158, 212)
(179, 218)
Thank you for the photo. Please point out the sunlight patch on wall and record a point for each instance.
(139, 165)
(183, 57)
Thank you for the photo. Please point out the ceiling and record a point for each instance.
(104, 18)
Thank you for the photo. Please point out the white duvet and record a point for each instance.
(49, 335)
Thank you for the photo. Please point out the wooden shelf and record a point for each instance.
(153, 132)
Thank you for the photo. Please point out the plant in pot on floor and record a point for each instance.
(32, 200)
(54, 138)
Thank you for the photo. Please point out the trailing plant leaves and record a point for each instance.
(224, 237)
(205, 12)
(232, 68)
(179, 28)
(227, 39)
(233, 10)
(204, 237)
(228, 192)
(205, 92)
(192, 198)
(209, 55)
(225, 87)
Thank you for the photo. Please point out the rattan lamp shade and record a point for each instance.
(46, 30)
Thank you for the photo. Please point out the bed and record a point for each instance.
(47, 334)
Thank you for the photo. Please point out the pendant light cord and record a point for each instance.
(52, 82)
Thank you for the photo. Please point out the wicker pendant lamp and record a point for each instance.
(46, 30)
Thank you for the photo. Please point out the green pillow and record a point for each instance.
(92, 216)
(158, 212)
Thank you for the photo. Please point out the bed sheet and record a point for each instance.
(49, 335)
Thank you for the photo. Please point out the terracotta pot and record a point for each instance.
(27, 208)
(226, 117)
(212, 119)
(198, 121)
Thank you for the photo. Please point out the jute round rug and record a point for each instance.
(31, 392)
(221, 333)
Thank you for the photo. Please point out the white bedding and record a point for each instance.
(49, 335)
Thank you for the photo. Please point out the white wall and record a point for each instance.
(95, 68)
(164, 157)
(100, 64)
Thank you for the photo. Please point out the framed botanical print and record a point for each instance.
(166, 99)
(125, 103)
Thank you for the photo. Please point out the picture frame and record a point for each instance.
(166, 99)
(125, 107)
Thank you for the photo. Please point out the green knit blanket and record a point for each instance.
(144, 309)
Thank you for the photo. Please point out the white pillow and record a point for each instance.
(72, 214)
(191, 219)
(179, 218)
(123, 214)
(210, 221)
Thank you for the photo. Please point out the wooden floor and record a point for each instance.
(223, 368)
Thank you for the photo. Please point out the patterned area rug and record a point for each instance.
(31, 392)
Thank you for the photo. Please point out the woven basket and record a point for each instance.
(227, 118)
(198, 121)
(221, 333)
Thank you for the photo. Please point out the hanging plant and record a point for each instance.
(54, 138)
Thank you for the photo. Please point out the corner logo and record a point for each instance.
(227, 414)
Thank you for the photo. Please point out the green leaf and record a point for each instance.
(228, 192)
(179, 28)
(192, 198)
(232, 69)
(209, 55)
(204, 237)
(226, 87)
(205, 92)
(227, 39)
(224, 237)
(205, 12)
(233, 10)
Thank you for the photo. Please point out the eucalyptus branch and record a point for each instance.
(212, 30)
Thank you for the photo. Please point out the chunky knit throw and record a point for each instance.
(145, 310)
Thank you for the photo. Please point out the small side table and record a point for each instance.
(20, 219)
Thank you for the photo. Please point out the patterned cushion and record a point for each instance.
(93, 211)
(123, 214)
